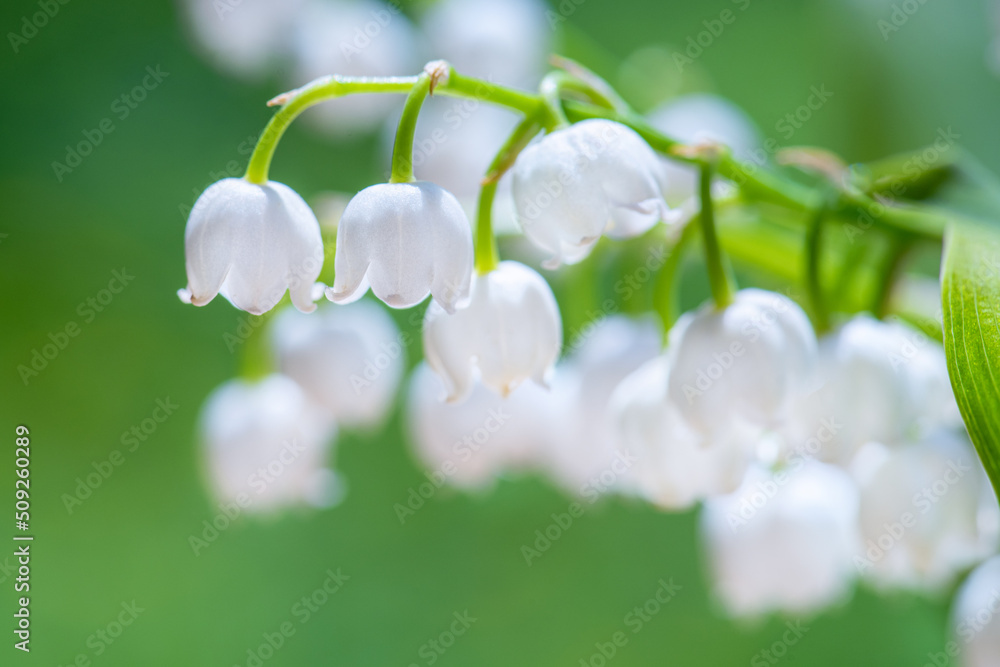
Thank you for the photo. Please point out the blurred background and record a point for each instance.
(67, 228)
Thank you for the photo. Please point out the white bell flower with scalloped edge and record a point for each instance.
(348, 359)
(266, 441)
(592, 178)
(509, 331)
(470, 443)
(673, 467)
(927, 512)
(975, 617)
(250, 243)
(405, 241)
(746, 361)
(783, 541)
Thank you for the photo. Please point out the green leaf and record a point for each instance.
(971, 304)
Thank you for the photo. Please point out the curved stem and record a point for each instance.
(487, 255)
(718, 275)
(551, 89)
(296, 101)
(665, 291)
(402, 149)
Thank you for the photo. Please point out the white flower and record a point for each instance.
(783, 541)
(700, 118)
(348, 359)
(585, 449)
(265, 441)
(673, 467)
(405, 240)
(244, 38)
(976, 616)
(353, 38)
(467, 444)
(927, 512)
(509, 331)
(745, 362)
(252, 242)
(506, 42)
(595, 177)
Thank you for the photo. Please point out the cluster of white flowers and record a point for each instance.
(818, 461)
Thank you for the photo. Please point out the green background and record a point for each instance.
(122, 208)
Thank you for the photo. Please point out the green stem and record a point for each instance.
(814, 287)
(718, 275)
(297, 101)
(666, 289)
(487, 255)
(551, 89)
(402, 149)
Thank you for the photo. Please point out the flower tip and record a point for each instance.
(184, 295)
(552, 263)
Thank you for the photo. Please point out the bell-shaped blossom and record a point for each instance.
(875, 382)
(265, 442)
(405, 241)
(927, 512)
(470, 443)
(592, 178)
(586, 458)
(673, 466)
(976, 616)
(348, 359)
(701, 118)
(746, 361)
(353, 38)
(247, 38)
(505, 41)
(250, 243)
(509, 331)
(783, 541)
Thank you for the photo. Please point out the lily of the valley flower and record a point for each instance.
(265, 440)
(250, 243)
(592, 178)
(783, 543)
(510, 331)
(746, 361)
(673, 468)
(976, 616)
(348, 359)
(405, 241)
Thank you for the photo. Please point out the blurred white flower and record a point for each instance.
(472, 442)
(699, 118)
(252, 242)
(585, 457)
(244, 38)
(592, 178)
(405, 240)
(509, 331)
(783, 541)
(348, 359)
(504, 42)
(747, 361)
(925, 514)
(266, 446)
(976, 616)
(673, 467)
(353, 38)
